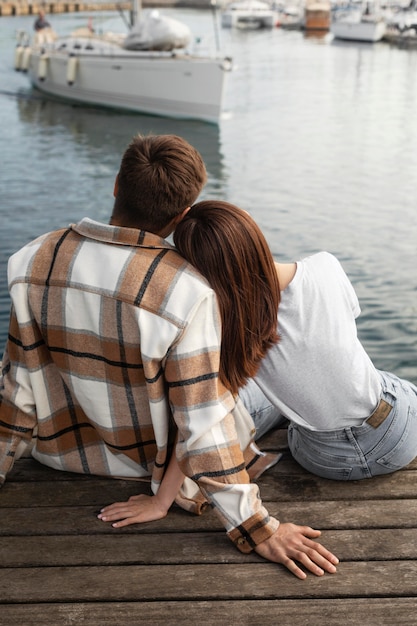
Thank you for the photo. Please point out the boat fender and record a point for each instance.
(227, 64)
(27, 53)
(43, 66)
(18, 58)
(71, 69)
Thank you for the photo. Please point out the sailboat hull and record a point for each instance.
(173, 85)
(370, 31)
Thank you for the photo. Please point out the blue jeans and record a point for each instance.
(265, 415)
(362, 451)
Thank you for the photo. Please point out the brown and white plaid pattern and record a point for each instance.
(112, 335)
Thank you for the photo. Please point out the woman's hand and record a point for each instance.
(142, 508)
(292, 543)
(136, 510)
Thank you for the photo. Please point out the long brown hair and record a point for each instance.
(159, 177)
(228, 248)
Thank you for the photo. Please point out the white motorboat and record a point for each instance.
(291, 16)
(358, 23)
(249, 14)
(147, 71)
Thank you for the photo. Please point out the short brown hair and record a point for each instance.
(159, 177)
(230, 251)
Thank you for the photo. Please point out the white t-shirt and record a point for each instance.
(319, 374)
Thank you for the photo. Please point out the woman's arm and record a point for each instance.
(286, 272)
(143, 508)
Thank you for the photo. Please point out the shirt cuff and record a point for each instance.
(190, 497)
(253, 531)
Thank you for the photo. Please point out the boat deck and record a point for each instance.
(63, 566)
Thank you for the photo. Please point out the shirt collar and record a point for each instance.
(118, 235)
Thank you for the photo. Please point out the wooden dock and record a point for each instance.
(25, 7)
(63, 566)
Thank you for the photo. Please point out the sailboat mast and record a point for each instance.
(136, 11)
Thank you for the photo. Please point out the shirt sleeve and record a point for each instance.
(208, 448)
(348, 289)
(17, 405)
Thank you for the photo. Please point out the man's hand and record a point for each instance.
(292, 543)
(136, 510)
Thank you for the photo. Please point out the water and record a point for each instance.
(318, 144)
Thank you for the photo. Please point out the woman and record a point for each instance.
(347, 420)
(228, 248)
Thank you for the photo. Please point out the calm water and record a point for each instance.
(319, 143)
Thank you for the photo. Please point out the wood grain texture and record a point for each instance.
(61, 565)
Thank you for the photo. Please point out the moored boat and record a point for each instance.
(317, 15)
(291, 15)
(249, 14)
(402, 26)
(359, 23)
(149, 70)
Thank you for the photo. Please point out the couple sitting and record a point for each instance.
(127, 359)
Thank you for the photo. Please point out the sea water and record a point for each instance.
(318, 142)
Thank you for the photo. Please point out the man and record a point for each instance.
(113, 351)
(41, 22)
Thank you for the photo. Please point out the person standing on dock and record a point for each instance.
(113, 355)
(41, 22)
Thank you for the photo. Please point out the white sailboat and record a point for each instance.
(359, 23)
(147, 71)
(249, 14)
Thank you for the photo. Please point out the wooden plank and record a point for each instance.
(369, 612)
(28, 470)
(306, 486)
(367, 514)
(187, 548)
(204, 582)
(322, 515)
(94, 492)
(273, 487)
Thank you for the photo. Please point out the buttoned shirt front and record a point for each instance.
(114, 341)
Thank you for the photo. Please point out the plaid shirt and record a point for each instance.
(113, 338)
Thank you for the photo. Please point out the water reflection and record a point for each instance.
(110, 131)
